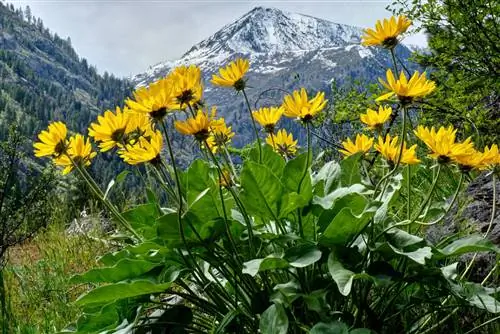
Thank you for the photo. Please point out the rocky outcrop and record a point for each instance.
(474, 217)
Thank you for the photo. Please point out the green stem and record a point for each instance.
(408, 173)
(98, 192)
(236, 198)
(394, 62)
(253, 125)
(429, 195)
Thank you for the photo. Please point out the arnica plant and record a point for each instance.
(272, 239)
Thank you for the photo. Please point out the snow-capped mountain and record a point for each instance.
(286, 51)
(266, 33)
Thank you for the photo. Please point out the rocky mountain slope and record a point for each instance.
(286, 51)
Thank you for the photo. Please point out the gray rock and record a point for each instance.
(86, 224)
(474, 217)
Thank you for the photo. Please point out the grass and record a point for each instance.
(36, 277)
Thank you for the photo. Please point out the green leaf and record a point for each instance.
(142, 219)
(328, 176)
(297, 178)
(355, 201)
(270, 159)
(472, 243)
(329, 200)
(330, 328)
(418, 255)
(261, 190)
(361, 331)
(388, 196)
(121, 290)
(350, 170)
(291, 202)
(345, 226)
(271, 262)
(343, 277)
(274, 320)
(401, 239)
(105, 319)
(302, 255)
(123, 269)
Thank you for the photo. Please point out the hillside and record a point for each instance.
(42, 79)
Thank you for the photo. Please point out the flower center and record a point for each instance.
(405, 100)
(307, 118)
(185, 97)
(60, 148)
(443, 159)
(390, 42)
(158, 114)
(239, 84)
(118, 136)
(155, 161)
(201, 135)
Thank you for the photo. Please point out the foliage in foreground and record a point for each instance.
(279, 243)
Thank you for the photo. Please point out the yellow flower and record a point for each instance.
(390, 149)
(473, 160)
(442, 143)
(362, 144)
(406, 91)
(145, 150)
(187, 86)
(491, 156)
(268, 117)
(283, 143)
(220, 133)
(79, 150)
(155, 100)
(113, 129)
(386, 33)
(198, 126)
(225, 179)
(375, 120)
(53, 141)
(232, 75)
(299, 106)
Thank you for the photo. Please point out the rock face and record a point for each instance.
(85, 224)
(475, 217)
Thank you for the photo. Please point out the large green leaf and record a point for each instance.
(472, 243)
(419, 255)
(330, 328)
(402, 239)
(387, 197)
(343, 277)
(302, 255)
(270, 159)
(123, 269)
(329, 200)
(142, 219)
(108, 293)
(327, 178)
(297, 178)
(104, 319)
(147, 250)
(271, 262)
(355, 201)
(350, 170)
(274, 320)
(291, 202)
(345, 226)
(261, 190)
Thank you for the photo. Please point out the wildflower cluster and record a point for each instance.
(269, 242)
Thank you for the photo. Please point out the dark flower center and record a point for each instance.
(202, 135)
(158, 114)
(269, 128)
(239, 84)
(405, 100)
(307, 118)
(155, 161)
(60, 148)
(443, 159)
(186, 97)
(118, 136)
(390, 42)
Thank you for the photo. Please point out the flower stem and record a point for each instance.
(98, 192)
(429, 195)
(253, 124)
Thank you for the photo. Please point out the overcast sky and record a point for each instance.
(125, 37)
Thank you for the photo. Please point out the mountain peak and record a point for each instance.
(270, 30)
